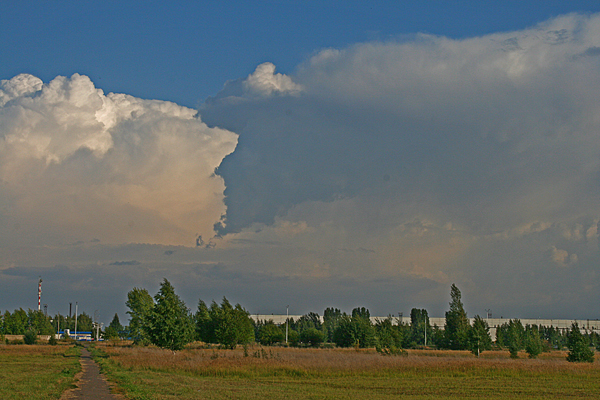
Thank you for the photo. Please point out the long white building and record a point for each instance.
(586, 325)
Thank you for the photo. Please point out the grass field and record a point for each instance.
(281, 373)
(37, 371)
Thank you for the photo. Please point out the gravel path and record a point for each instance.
(90, 384)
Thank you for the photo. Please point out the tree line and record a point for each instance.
(165, 321)
(21, 321)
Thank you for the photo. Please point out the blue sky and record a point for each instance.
(316, 154)
(185, 51)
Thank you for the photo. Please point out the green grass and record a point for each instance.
(37, 371)
(339, 374)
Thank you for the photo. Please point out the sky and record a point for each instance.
(310, 154)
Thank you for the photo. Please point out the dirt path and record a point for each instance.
(90, 384)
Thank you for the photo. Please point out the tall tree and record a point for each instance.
(456, 328)
(170, 324)
(331, 320)
(115, 328)
(515, 337)
(140, 306)
(204, 326)
(419, 327)
(232, 325)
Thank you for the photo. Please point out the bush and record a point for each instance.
(312, 337)
(270, 333)
(293, 338)
(52, 341)
(30, 337)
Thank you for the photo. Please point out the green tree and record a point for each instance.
(579, 347)
(312, 337)
(512, 335)
(533, 341)
(232, 325)
(419, 327)
(479, 336)
(140, 305)
(310, 320)
(356, 330)
(361, 312)
(170, 325)
(115, 328)
(269, 333)
(16, 323)
(40, 323)
(331, 319)
(293, 338)
(84, 323)
(456, 328)
(204, 326)
(389, 336)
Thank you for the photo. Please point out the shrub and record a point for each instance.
(30, 337)
(52, 341)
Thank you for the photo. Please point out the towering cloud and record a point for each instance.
(451, 160)
(76, 164)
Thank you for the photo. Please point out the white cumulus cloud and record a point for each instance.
(78, 164)
(264, 81)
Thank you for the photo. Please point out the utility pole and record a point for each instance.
(287, 322)
(75, 321)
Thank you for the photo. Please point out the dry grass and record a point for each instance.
(315, 361)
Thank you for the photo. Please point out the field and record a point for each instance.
(37, 371)
(285, 373)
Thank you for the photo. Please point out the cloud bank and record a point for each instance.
(76, 164)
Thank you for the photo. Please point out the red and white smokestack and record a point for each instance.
(40, 295)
